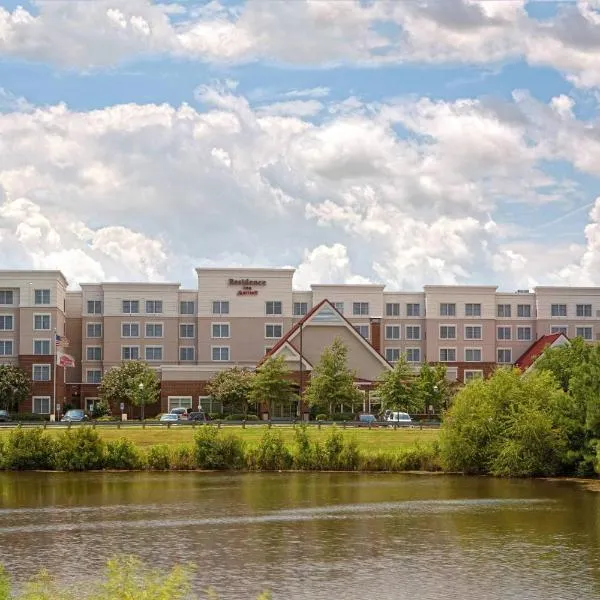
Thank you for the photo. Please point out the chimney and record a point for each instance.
(376, 333)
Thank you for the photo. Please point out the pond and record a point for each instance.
(312, 536)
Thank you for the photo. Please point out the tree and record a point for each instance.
(15, 387)
(271, 384)
(562, 361)
(398, 388)
(433, 387)
(133, 383)
(232, 388)
(331, 381)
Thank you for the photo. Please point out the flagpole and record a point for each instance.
(54, 374)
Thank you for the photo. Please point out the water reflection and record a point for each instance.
(313, 535)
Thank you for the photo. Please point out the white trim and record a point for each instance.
(367, 325)
(187, 324)
(564, 329)
(186, 360)
(179, 398)
(447, 304)
(473, 325)
(130, 300)
(392, 348)
(477, 316)
(584, 316)
(154, 323)
(220, 324)
(360, 313)
(508, 362)
(523, 327)
(12, 316)
(49, 303)
(34, 365)
(586, 326)
(130, 323)
(296, 302)
(398, 327)
(273, 337)
(49, 315)
(88, 371)
(154, 301)
(413, 348)
(92, 359)
(398, 316)
(504, 339)
(479, 372)
(525, 316)
(12, 346)
(154, 347)
(87, 331)
(413, 339)
(559, 316)
(447, 325)
(474, 348)
(33, 398)
(49, 340)
(130, 346)
(220, 313)
(447, 348)
(220, 360)
(295, 355)
(274, 314)
(419, 316)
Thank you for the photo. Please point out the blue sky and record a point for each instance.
(408, 143)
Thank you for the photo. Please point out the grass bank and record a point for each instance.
(210, 448)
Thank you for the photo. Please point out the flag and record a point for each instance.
(65, 360)
(61, 341)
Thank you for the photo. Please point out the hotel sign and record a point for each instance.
(247, 286)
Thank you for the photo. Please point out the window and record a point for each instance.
(220, 353)
(41, 296)
(392, 332)
(186, 330)
(187, 307)
(93, 353)
(413, 354)
(447, 309)
(6, 297)
(447, 332)
(154, 307)
(94, 330)
(93, 376)
(470, 375)
(560, 329)
(413, 332)
(339, 306)
(524, 311)
(392, 354)
(413, 310)
(186, 353)
(41, 322)
(41, 405)
(447, 354)
(300, 309)
(273, 331)
(154, 352)
(6, 322)
(524, 333)
(41, 347)
(392, 309)
(273, 307)
(504, 355)
(504, 310)
(558, 310)
(584, 310)
(130, 330)
(40, 373)
(473, 332)
(584, 332)
(180, 402)
(154, 330)
(6, 348)
(473, 354)
(220, 307)
(130, 352)
(363, 330)
(503, 333)
(360, 308)
(268, 349)
(131, 306)
(472, 310)
(94, 307)
(220, 330)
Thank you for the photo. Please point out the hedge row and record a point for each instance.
(83, 449)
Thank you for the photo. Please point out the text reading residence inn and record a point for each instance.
(236, 316)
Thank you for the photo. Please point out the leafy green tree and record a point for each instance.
(434, 388)
(133, 383)
(398, 388)
(232, 388)
(563, 361)
(506, 425)
(331, 381)
(271, 384)
(15, 387)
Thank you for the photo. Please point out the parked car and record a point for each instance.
(182, 413)
(4, 416)
(169, 418)
(198, 417)
(366, 420)
(401, 419)
(75, 415)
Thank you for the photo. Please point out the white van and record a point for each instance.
(401, 419)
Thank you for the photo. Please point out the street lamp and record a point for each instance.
(141, 388)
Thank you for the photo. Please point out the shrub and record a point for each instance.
(26, 449)
(322, 417)
(123, 454)
(303, 452)
(79, 449)
(271, 454)
(24, 417)
(241, 417)
(101, 409)
(183, 458)
(345, 416)
(215, 450)
(158, 457)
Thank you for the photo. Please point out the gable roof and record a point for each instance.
(291, 350)
(528, 358)
(313, 314)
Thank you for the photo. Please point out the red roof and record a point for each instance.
(537, 348)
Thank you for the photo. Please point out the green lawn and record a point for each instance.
(371, 440)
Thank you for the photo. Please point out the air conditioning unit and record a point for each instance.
(523, 292)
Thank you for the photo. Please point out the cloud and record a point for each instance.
(406, 191)
(84, 35)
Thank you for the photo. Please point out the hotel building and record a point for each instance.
(236, 316)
